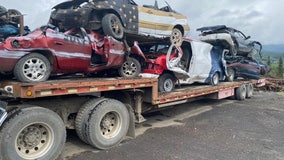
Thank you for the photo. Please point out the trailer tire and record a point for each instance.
(166, 82)
(83, 116)
(240, 93)
(108, 124)
(32, 133)
(249, 90)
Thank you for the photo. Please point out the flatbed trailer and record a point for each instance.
(103, 111)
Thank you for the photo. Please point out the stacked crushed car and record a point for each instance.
(10, 20)
(240, 60)
(93, 37)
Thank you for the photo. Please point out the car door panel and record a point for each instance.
(73, 53)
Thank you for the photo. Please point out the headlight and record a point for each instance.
(15, 44)
(23, 43)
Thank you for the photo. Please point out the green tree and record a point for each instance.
(280, 70)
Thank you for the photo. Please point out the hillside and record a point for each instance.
(275, 51)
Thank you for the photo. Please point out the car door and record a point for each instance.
(147, 20)
(72, 50)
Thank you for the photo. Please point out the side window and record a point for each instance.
(132, 2)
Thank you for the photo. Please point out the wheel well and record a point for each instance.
(47, 54)
(139, 59)
(180, 28)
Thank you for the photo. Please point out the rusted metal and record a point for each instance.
(79, 86)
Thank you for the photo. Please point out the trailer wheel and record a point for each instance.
(249, 90)
(32, 133)
(83, 116)
(240, 93)
(108, 124)
(166, 82)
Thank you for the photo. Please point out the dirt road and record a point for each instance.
(224, 130)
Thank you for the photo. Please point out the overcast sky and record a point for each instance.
(261, 19)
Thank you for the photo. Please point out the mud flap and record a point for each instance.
(131, 129)
(3, 113)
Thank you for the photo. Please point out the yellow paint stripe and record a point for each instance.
(94, 89)
(111, 87)
(45, 93)
(159, 26)
(72, 91)
(127, 86)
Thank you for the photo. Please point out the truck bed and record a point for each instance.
(94, 85)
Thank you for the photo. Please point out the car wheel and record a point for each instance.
(176, 37)
(32, 133)
(112, 26)
(33, 67)
(166, 82)
(107, 124)
(130, 68)
(231, 75)
(234, 50)
(215, 79)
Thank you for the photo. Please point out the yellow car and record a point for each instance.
(118, 18)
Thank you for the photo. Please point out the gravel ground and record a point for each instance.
(212, 129)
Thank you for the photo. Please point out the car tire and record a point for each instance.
(240, 92)
(166, 82)
(215, 79)
(249, 90)
(112, 26)
(108, 124)
(176, 37)
(130, 68)
(32, 133)
(33, 67)
(234, 49)
(83, 116)
(231, 75)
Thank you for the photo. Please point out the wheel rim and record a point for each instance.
(129, 68)
(34, 69)
(34, 141)
(168, 85)
(231, 75)
(176, 37)
(215, 79)
(110, 125)
(115, 25)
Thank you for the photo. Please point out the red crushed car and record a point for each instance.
(34, 57)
